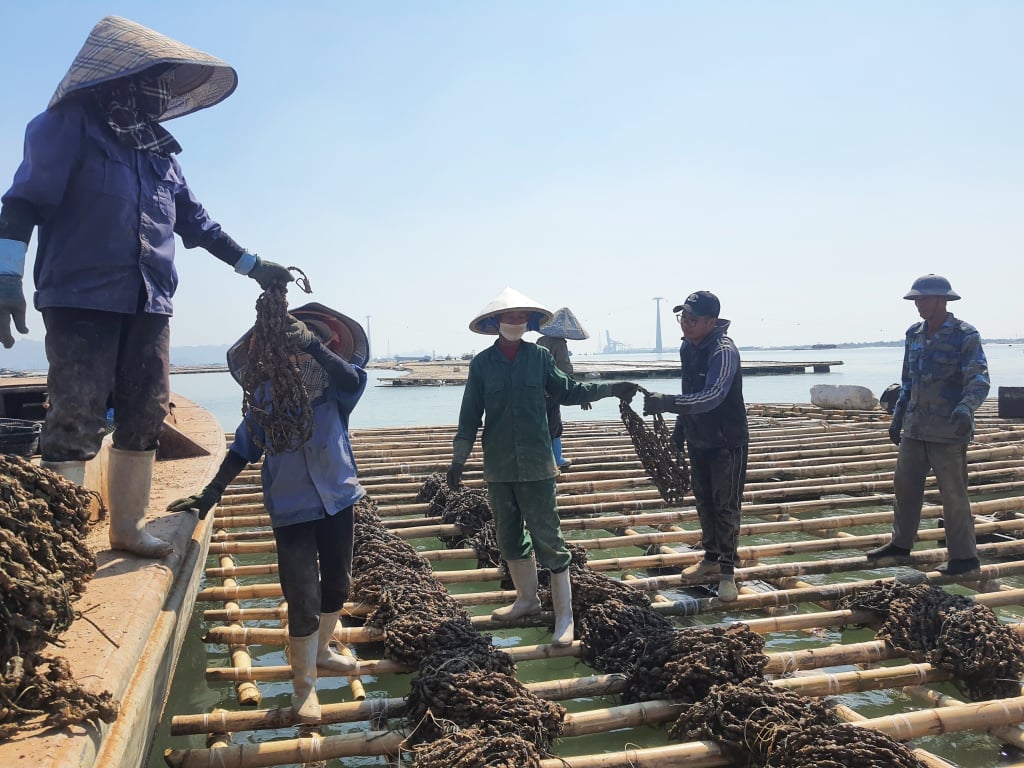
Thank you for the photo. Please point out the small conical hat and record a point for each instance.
(119, 48)
(339, 333)
(509, 300)
(564, 325)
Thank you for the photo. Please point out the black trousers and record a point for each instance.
(94, 355)
(314, 562)
(718, 476)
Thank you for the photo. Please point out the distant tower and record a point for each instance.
(657, 322)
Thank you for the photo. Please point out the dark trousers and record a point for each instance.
(94, 355)
(718, 476)
(314, 562)
(949, 462)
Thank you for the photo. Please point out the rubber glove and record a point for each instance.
(12, 293)
(655, 403)
(298, 334)
(454, 475)
(268, 273)
(624, 390)
(201, 503)
(896, 428)
(962, 421)
(679, 435)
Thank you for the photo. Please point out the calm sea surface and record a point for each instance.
(385, 406)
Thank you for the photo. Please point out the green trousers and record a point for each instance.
(526, 519)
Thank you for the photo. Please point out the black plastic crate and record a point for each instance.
(19, 437)
(1011, 402)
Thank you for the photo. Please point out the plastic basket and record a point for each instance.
(19, 437)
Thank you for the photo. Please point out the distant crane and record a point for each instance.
(657, 322)
(612, 345)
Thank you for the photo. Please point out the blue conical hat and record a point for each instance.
(118, 48)
(564, 325)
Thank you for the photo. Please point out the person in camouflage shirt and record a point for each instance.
(945, 379)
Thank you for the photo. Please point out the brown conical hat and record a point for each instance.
(118, 48)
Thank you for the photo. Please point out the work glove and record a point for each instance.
(298, 334)
(454, 475)
(12, 307)
(624, 390)
(962, 421)
(896, 428)
(268, 273)
(586, 406)
(200, 503)
(655, 403)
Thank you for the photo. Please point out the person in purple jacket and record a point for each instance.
(308, 492)
(100, 182)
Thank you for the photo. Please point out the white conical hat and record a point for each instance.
(119, 48)
(564, 325)
(509, 300)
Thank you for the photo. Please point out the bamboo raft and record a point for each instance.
(818, 494)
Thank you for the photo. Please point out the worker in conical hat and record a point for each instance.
(553, 335)
(508, 382)
(101, 182)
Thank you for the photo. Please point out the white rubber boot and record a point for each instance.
(727, 591)
(561, 599)
(302, 654)
(129, 477)
(524, 576)
(73, 471)
(327, 657)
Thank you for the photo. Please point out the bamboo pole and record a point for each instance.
(1010, 734)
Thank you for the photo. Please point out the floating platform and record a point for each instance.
(441, 373)
(818, 494)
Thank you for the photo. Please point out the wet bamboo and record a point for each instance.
(963, 717)
(1010, 734)
(246, 694)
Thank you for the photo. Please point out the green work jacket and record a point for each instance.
(516, 443)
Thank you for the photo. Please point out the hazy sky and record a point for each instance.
(803, 160)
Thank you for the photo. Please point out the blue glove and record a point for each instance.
(655, 403)
(12, 294)
(962, 421)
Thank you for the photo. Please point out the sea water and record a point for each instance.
(387, 406)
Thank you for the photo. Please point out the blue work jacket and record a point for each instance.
(107, 215)
(319, 478)
(938, 375)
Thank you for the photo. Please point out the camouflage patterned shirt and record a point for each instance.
(938, 375)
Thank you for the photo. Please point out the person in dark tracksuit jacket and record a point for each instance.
(712, 424)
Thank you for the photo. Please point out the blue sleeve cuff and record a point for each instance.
(12, 257)
(245, 263)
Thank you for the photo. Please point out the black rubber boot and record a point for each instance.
(957, 567)
(889, 550)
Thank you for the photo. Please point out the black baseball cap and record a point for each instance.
(701, 304)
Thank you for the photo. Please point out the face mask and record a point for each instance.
(512, 332)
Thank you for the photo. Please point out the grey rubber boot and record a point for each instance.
(327, 657)
(129, 478)
(302, 655)
(561, 599)
(524, 576)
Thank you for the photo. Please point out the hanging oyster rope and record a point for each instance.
(665, 465)
(286, 419)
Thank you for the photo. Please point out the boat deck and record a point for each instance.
(818, 494)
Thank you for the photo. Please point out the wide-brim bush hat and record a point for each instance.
(339, 333)
(118, 48)
(564, 325)
(932, 285)
(510, 300)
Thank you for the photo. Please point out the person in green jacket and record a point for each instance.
(508, 381)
